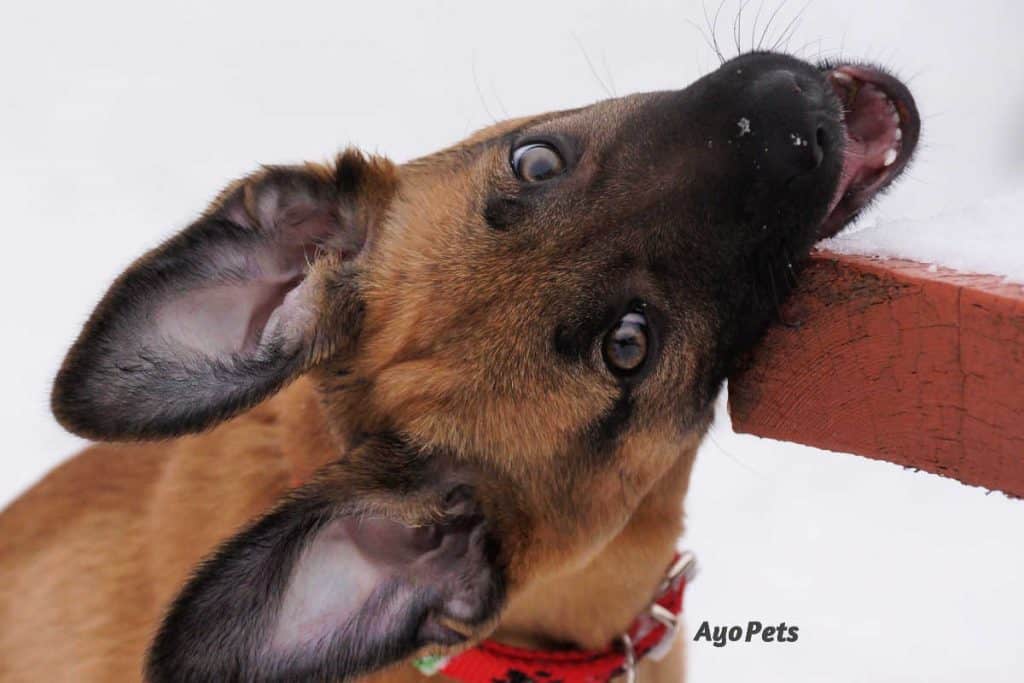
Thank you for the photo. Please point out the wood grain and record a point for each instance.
(898, 361)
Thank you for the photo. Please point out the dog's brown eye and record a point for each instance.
(537, 161)
(625, 347)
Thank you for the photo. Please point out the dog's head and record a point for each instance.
(513, 340)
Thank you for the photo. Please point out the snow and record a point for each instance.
(120, 120)
(892, 575)
(987, 237)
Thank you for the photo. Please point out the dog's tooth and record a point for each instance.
(890, 157)
(898, 134)
(842, 76)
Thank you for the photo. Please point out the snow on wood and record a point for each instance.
(987, 237)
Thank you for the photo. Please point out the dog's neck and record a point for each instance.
(586, 608)
(589, 608)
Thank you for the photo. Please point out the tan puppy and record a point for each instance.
(414, 406)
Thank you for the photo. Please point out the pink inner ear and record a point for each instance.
(233, 315)
(225, 318)
(253, 290)
(330, 583)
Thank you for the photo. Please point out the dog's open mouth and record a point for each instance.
(882, 126)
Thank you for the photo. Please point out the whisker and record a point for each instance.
(793, 24)
(768, 26)
(832, 55)
(479, 92)
(608, 73)
(917, 74)
(778, 303)
(734, 458)
(737, 26)
(799, 52)
(704, 35)
(590, 65)
(711, 34)
(714, 30)
(501, 105)
(757, 20)
(718, 11)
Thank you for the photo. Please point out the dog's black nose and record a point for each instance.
(793, 115)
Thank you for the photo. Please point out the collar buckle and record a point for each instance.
(684, 567)
(490, 661)
(629, 652)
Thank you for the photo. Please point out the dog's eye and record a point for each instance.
(536, 161)
(625, 347)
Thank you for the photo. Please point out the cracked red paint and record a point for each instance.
(896, 362)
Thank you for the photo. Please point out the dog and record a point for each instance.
(359, 412)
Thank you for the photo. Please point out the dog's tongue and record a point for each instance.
(881, 126)
(873, 136)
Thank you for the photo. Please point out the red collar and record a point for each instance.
(651, 634)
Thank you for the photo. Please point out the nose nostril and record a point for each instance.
(821, 141)
(821, 136)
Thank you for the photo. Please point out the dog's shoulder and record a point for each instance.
(134, 518)
(86, 486)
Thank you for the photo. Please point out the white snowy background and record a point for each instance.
(119, 121)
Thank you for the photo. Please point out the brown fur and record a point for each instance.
(395, 335)
(115, 531)
(94, 552)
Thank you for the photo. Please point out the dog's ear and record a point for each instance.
(227, 311)
(342, 578)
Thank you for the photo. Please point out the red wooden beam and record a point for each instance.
(898, 361)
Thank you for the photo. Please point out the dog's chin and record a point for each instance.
(881, 128)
